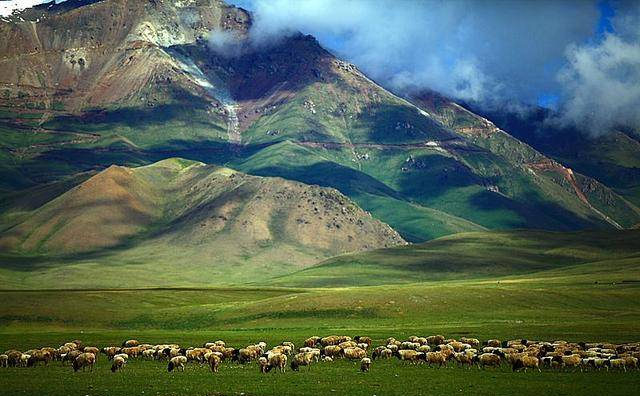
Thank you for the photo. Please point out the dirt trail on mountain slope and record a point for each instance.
(569, 176)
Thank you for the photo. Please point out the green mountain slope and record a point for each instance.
(427, 167)
(481, 255)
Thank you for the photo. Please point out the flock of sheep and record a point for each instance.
(433, 351)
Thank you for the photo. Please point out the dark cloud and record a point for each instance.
(495, 53)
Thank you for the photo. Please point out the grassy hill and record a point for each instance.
(480, 255)
(566, 288)
(178, 212)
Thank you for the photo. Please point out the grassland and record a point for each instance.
(578, 287)
(339, 378)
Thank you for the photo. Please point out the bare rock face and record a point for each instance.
(85, 54)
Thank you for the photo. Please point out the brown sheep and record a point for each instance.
(279, 362)
(571, 361)
(110, 351)
(463, 358)
(93, 350)
(37, 356)
(71, 356)
(474, 342)
(365, 340)
(438, 358)
(214, 361)
(525, 362)
(248, 354)
(494, 343)
(332, 351)
(84, 360)
(301, 359)
(435, 340)
(354, 353)
(130, 343)
(408, 355)
(487, 359)
(132, 351)
(118, 364)
(330, 340)
(348, 344)
(365, 365)
(311, 341)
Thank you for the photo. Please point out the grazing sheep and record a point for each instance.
(377, 351)
(177, 363)
(132, 351)
(149, 354)
(327, 359)
(617, 363)
(118, 364)
(463, 358)
(348, 344)
(301, 359)
(408, 355)
(487, 359)
(571, 361)
(93, 350)
(130, 343)
(71, 356)
(630, 362)
(70, 345)
(363, 340)
(84, 360)
(332, 351)
(279, 362)
(4, 360)
(435, 340)
(37, 356)
(494, 343)
(525, 362)
(248, 354)
(311, 341)
(263, 363)
(354, 353)
(289, 344)
(329, 340)
(24, 360)
(474, 342)
(110, 351)
(365, 365)
(438, 358)
(457, 346)
(214, 361)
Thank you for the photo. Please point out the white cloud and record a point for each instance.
(8, 7)
(474, 50)
(601, 82)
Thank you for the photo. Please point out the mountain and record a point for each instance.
(612, 156)
(150, 87)
(210, 216)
